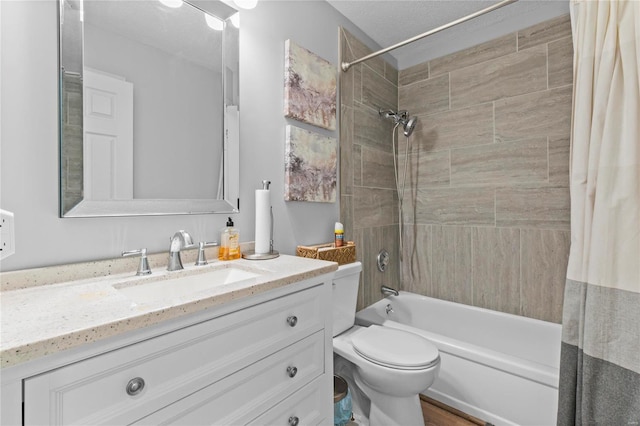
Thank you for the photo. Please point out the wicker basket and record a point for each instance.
(342, 255)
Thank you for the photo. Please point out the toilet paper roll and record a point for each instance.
(263, 222)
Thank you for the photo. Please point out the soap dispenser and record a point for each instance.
(229, 243)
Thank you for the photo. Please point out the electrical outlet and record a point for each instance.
(7, 234)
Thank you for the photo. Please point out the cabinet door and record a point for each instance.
(305, 407)
(172, 366)
(240, 397)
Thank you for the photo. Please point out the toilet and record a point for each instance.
(389, 366)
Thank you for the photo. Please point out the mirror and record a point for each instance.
(148, 107)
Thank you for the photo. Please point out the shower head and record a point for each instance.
(409, 124)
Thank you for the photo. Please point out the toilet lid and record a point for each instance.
(395, 348)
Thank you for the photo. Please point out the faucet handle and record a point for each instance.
(201, 245)
(143, 267)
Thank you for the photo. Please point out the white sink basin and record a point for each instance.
(184, 285)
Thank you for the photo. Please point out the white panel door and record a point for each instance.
(108, 137)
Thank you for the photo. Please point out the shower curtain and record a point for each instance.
(600, 357)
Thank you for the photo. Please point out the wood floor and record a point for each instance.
(438, 414)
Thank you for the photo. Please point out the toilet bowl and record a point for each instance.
(389, 366)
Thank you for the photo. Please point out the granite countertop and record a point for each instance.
(39, 320)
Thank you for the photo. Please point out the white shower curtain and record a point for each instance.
(600, 361)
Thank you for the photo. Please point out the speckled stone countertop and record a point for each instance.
(39, 319)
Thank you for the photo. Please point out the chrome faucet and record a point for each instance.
(179, 241)
(387, 291)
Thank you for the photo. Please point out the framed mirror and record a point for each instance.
(149, 107)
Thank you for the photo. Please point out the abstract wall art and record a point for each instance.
(311, 166)
(309, 88)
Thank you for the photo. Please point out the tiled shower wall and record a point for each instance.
(368, 202)
(487, 215)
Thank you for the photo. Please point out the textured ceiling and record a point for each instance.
(388, 22)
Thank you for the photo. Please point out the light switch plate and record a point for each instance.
(7, 234)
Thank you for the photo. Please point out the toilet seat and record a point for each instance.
(395, 348)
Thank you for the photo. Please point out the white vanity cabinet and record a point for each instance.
(264, 359)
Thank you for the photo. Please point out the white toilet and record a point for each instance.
(391, 367)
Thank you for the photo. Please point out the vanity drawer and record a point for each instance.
(173, 366)
(305, 407)
(237, 398)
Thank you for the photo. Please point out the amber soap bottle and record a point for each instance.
(229, 243)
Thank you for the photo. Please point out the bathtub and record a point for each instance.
(499, 367)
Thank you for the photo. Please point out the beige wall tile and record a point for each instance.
(427, 169)
(371, 130)
(377, 169)
(452, 263)
(391, 243)
(456, 128)
(373, 207)
(412, 74)
(544, 32)
(357, 49)
(376, 239)
(560, 62)
(390, 73)
(474, 55)
(370, 214)
(426, 96)
(506, 76)
(359, 240)
(347, 88)
(357, 82)
(456, 206)
(506, 163)
(346, 216)
(544, 207)
(545, 113)
(545, 254)
(496, 269)
(559, 161)
(357, 164)
(346, 147)
(378, 92)
(372, 277)
(416, 266)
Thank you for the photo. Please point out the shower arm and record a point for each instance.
(346, 65)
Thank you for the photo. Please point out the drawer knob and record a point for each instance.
(292, 320)
(135, 386)
(292, 371)
(293, 421)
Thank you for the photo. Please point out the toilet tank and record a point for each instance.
(345, 296)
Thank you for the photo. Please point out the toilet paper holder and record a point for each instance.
(272, 254)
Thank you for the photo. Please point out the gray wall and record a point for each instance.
(29, 141)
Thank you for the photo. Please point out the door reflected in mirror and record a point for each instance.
(149, 110)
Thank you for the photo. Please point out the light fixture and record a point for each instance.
(171, 3)
(235, 19)
(246, 4)
(213, 22)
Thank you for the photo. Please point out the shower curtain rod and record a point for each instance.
(346, 65)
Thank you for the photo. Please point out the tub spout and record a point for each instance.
(388, 291)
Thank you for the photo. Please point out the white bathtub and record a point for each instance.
(499, 367)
